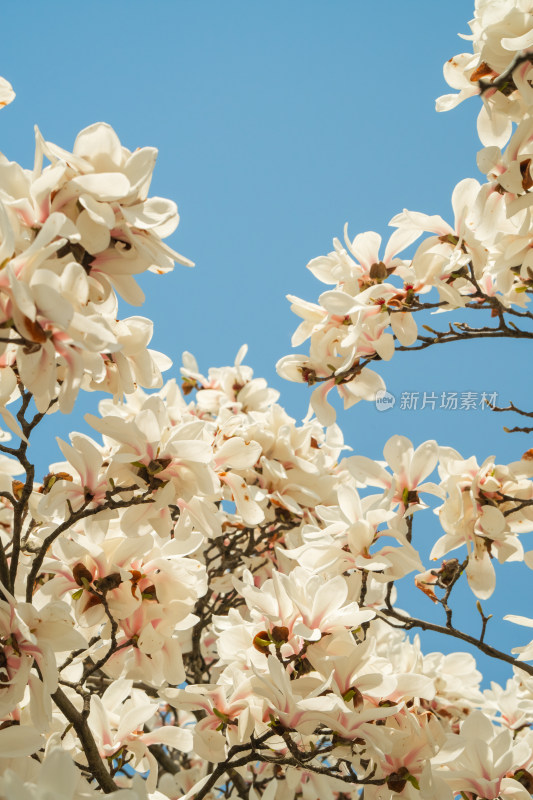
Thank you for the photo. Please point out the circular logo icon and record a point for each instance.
(384, 400)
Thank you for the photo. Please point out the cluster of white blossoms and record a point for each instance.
(200, 600)
(482, 259)
(73, 236)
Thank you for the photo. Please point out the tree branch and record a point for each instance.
(412, 622)
(79, 723)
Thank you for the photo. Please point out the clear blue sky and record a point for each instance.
(276, 123)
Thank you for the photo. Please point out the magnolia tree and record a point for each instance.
(200, 600)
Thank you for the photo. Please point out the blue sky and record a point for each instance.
(276, 123)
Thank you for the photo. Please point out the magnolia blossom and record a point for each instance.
(476, 512)
(204, 591)
(117, 719)
(499, 32)
(485, 759)
(30, 638)
(58, 777)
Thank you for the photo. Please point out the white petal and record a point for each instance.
(19, 740)
(492, 521)
(384, 346)
(397, 451)
(7, 95)
(325, 413)
(104, 186)
(404, 327)
(100, 145)
(518, 620)
(518, 42)
(493, 129)
(173, 737)
(481, 575)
